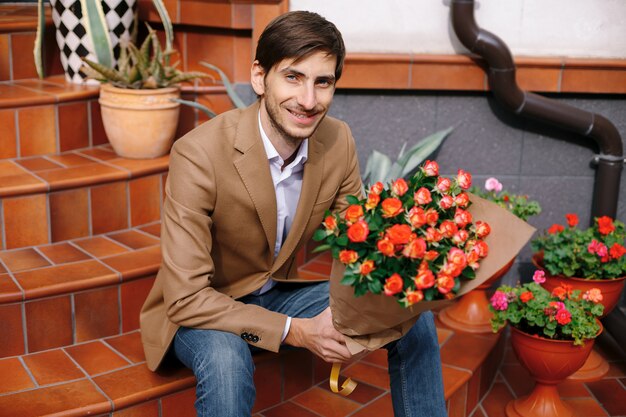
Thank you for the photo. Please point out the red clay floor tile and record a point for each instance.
(96, 357)
(325, 403)
(14, 376)
(610, 393)
(52, 366)
(61, 253)
(22, 259)
(496, 400)
(134, 239)
(374, 375)
(288, 409)
(382, 407)
(129, 345)
(100, 246)
(587, 407)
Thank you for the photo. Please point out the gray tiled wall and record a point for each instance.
(549, 165)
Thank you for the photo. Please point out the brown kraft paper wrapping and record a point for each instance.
(372, 321)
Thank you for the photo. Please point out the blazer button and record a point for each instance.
(250, 337)
(244, 335)
(255, 338)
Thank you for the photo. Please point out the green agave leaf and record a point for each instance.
(107, 72)
(98, 31)
(234, 97)
(167, 25)
(206, 111)
(376, 168)
(412, 158)
(37, 51)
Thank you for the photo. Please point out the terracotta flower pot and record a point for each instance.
(471, 313)
(596, 366)
(140, 124)
(549, 363)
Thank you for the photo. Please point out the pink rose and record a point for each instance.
(399, 187)
(443, 184)
(464, 179)
(422, 196)
(446, 202)
(431, 168)
(492, 184)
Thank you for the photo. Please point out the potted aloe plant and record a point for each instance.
(138, 100)
(95, 29)
(552, 334)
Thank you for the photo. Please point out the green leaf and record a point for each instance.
(377, 168)
(167, 25)
(39, 38)
(342, 241)
(230, 90)
(349, 279)
(419, 152)
(321, 248)
(319, 235)
(98, 31)
(352, 199)
(196, 105)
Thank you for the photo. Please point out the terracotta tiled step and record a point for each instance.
(75, 291)
(108, 376)
(48, 199)
(18, 26)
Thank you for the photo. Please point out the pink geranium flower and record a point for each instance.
(492, 184)
(539, 276)
(499, 300)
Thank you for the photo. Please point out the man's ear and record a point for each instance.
(257, 78)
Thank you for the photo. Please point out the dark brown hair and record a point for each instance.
(297, 35)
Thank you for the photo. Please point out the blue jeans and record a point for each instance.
(223, 366)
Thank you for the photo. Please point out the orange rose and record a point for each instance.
(372, 201)
(443, 184)
(433, 235)
(445, 284)
(462, 217)
(393, 285)
(377, 188)
(415, 249)
(330, 223)
(354, 213)
(367, 267)
(391, 207)
(464, 179)
(462, 200)
(481, 248)
(446, 202)
(472, 259)
(431, 216)
(398, 234)
(451, 269)
(413, 297)
(422, 196)
(460, 236)
(417, 217)
(482, 229)
(399, 187)
(448, 228)
(424, 279)
(348, 257)
(386, 247)
(358, 231)
(431, 168)
(431, 255)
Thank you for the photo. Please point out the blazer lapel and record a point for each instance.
(253, 168)
(311, 182)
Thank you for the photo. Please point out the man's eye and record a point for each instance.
(291, 77)
(324, 83)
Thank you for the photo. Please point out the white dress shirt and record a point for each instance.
(287, 185)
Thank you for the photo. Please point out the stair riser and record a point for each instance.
(80, 212)
(51, 128)
(53, 322)
(15, 64)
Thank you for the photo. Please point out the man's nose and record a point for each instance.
(307, 98)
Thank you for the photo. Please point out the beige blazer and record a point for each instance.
(219, 227)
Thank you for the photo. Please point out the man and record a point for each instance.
(244, 193)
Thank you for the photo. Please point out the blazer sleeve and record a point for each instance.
(187, 267)
(351, 184)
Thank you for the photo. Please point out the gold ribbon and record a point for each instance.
(348, 385)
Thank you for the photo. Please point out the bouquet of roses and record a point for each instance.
(414, 240)
(411, 246)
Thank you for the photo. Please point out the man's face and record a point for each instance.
(295, 96)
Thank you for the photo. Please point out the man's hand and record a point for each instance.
(318, 335)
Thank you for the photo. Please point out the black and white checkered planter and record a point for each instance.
(72, 37)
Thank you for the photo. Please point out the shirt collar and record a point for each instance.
(272, 153)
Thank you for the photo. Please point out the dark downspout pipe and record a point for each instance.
(594, 126)
(501, 74)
